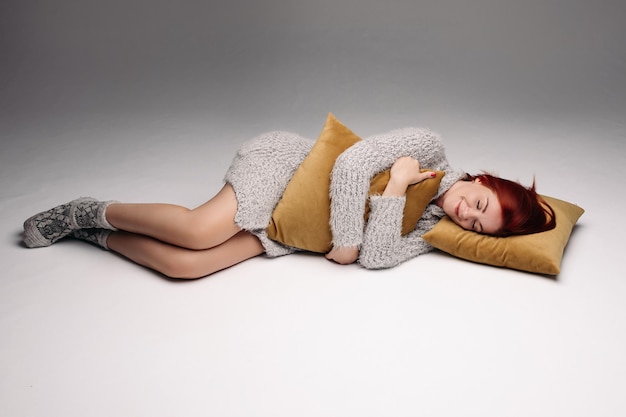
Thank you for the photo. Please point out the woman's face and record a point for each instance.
(473, 206)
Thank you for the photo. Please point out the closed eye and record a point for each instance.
(476, 226)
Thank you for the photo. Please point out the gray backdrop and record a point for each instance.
(248, 61)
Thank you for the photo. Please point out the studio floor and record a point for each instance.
(93, 103)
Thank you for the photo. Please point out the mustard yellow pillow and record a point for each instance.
(539, 253)
(301, 218)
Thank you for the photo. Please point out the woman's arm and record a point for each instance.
(383, 244)
(354, 169)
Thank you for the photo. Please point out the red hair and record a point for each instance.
(523, 210)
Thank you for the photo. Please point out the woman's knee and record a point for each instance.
(190, 264)
(184, 266)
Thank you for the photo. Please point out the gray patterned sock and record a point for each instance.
(96, 236)
(45, 228)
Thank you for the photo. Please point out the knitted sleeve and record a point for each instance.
(353, 170)
(383, 245)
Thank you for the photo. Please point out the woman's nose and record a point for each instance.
(468, 212)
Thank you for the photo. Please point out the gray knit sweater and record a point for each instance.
(263, 167)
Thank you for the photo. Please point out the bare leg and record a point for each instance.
(201, 228)
(177, 262)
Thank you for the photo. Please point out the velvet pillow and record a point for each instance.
(301, 218)
(539, 252)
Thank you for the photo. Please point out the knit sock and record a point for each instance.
(45, 228)
(96, 236)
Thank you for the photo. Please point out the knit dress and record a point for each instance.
(263, 167)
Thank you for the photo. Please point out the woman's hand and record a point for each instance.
(344, 255)
(404, 172)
